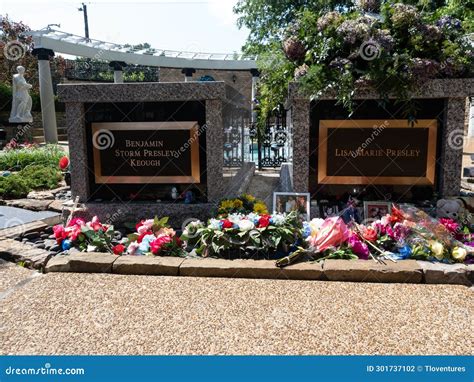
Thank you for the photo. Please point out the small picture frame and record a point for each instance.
(329, 210)
(285, 202)
(376, 209)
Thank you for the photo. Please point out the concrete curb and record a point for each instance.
(405, 271)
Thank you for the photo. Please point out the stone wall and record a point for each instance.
(242, 82)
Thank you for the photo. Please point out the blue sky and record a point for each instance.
(190, 25)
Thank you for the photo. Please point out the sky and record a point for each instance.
(189, 25)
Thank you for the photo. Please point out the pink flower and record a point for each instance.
(333, 232)
(76, 221)
(74, 232)
(157, 244)
(142, 229)
(132, 248)
(449, 224)
(359, 247)
(95, 224)
(400, 232)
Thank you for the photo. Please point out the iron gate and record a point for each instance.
(245, 142)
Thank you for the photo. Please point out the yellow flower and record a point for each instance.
(227, 204)
(249, 197)
(260, 208)
(238, 203)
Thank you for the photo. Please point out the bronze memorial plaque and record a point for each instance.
(377, 152)
(146, 152)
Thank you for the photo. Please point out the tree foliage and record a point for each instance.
(319, 44)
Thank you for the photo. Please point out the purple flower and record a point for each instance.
(430, 33)
(451, 68)
(400, 232)
(384, 39)
(330, 19)
(424, 68)
(359, 247)
(449, 22)
(355, 30)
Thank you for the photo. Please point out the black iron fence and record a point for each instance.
(98, 71)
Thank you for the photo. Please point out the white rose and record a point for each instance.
(246, 225)
(437, 248)
(459, 253)
(277, 219)
(214, 224)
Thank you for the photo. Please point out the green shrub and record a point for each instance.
(5, 97)
(41, 177)
(14, 186)
(48, 156)
(34, 177)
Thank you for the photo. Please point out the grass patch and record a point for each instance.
(34, 177)
(18, 159)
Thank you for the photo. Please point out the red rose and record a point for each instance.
(118, 249)
(264, 221)
(139, 224)
(370, 234)
(64, 163)
(59, 233)
(157, 244)
(227, 223)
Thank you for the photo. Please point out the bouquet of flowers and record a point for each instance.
(253, 232)
(244, 204)
(326, 238)
(88, 236)
(152, 237)
(411, 233)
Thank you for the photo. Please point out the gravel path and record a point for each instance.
(112, 314)
(12, 274)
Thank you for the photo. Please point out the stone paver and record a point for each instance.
(439, 273)
(147, 265)
(18, 251)
(88, 262)
(209, 267)
(74, 313)
(406, 271)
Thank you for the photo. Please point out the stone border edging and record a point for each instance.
(405, 271)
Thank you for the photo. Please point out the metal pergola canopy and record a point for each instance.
(67, 43)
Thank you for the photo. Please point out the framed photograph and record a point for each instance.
(376, 210)
(292, 201)
(329, 210)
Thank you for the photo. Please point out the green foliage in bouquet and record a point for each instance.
(250, 233)
(100, 239)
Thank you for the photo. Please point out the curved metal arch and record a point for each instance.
(67, 43)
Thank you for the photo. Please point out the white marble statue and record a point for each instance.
(21, 103)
